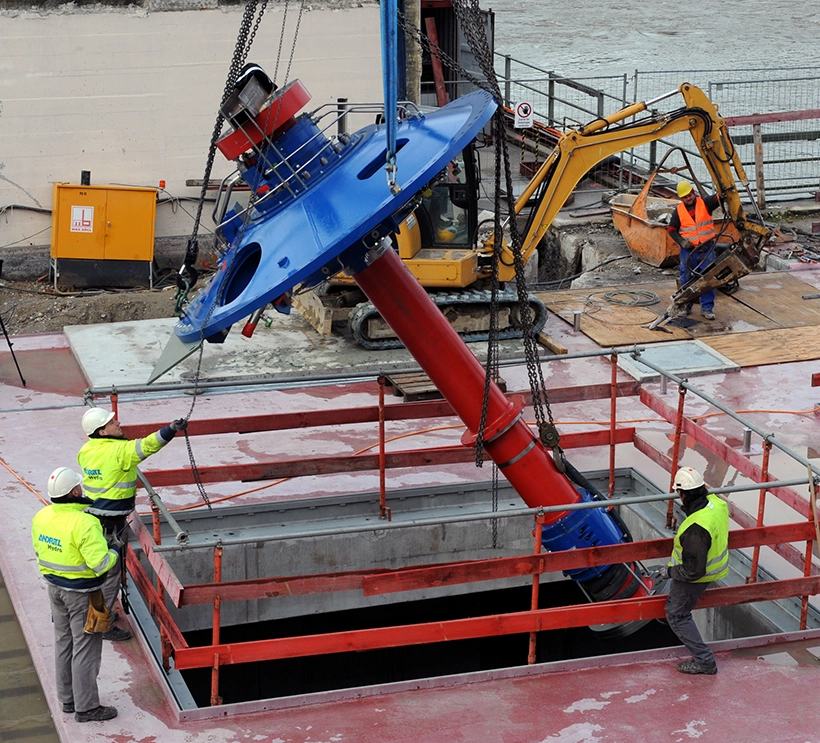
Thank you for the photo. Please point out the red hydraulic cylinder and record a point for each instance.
(459, 376)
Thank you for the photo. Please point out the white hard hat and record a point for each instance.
(62, 481)
(688, 478)
(95, 418)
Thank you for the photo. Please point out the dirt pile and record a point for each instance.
(29, 307)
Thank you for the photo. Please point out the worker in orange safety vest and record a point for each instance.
(691, 226)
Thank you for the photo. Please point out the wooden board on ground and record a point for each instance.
(731, 317)
(615, 324)
(779, 297)
(415, 386)
(769, 346)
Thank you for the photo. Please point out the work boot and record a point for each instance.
(98, 714)
(685, 312)
(68, 708)
(116, 634)
(693, 667)
(708, 314)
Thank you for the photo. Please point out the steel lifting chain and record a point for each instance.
(472, 25)
(187, 276)
(244, 42)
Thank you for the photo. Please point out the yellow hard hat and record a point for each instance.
(684, 188)
(446, 235)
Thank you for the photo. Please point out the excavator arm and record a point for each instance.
(580, 150)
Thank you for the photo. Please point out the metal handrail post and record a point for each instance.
(216, 700)
(384, 511)
(804, 604)
(612, 421)
(675, 452)
(536, 584)
(165, 644)
(761, 505)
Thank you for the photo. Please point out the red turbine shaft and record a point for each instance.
(459, 376)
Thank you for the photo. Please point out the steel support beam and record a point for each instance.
(743, 465)
(366, 414)
(496, 625)
(376, 582)
(255, 471)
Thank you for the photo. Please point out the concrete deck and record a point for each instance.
(764, 692)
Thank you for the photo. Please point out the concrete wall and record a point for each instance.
(132, 94)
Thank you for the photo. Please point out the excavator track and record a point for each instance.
(464, 309)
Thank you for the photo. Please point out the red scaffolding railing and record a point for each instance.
(753, 534)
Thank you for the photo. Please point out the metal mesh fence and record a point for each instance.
(790, 149)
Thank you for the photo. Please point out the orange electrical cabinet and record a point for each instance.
(110, 223)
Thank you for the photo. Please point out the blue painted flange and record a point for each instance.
(338, 210)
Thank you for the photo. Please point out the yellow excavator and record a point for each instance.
(441, 243)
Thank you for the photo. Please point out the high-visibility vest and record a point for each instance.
(110, 471)
(699, 230)
(714, 517)
(70, 546)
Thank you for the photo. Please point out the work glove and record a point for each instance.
(180, 424)
(686, 245)
(663, 572)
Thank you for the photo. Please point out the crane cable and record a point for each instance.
(247, 32)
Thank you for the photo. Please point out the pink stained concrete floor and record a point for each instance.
(760, 694)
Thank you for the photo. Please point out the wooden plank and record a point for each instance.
(779, 297)
(548, 342)
(769, 346)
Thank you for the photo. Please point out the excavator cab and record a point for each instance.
(446, 215)
(449, 208)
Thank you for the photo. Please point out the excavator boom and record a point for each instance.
(580, 150)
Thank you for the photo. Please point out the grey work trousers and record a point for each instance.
(77, 655)
(114, 529)
(679, 604)
(111, 587)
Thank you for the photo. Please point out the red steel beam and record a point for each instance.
(467, 572)
(743, 465)
(157, 607)
(367, 413)
(787, 551)
(254, 471)
(773, 118)
(498, 624)
(376, 582)
(160, 565)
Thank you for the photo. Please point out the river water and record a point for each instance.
(599, 37)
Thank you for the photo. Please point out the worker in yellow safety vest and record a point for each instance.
(691, 226)
(74, 558)
(700, 556)
(109, 463)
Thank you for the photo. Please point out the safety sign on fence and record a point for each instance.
(523, 115)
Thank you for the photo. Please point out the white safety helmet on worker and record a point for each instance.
(684, 188)
(95, 418)
(62, 481)
(688, 478)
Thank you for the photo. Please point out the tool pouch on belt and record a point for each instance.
(98, 619)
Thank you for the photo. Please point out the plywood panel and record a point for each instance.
(769, 346)
(769, 303)
(779, 297)
(611, 324)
